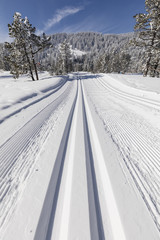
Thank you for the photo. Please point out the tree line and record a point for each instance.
(148, 29)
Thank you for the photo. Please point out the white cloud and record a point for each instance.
(59, 15)
(89, 24)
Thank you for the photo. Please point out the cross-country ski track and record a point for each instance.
(80, 165)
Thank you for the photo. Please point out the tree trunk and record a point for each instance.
(34, 63)
(145, 73)
(150, 55)
(29, 63)
(35, 68)
(156, 73)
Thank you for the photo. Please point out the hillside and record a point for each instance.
(94, 45)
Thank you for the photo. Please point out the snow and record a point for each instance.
(139, 82)
(131, 117)
(18, 14)
(145, 91)
(13, 91)
(17, 95)
(79, 157)
(118, 232)
(77, 53)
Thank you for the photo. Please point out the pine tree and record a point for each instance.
(59, 65)
(65, 57)
(1, 57)
(148, 28)
(24, 46)
(124, 61)
(100, 64)
(18, 64)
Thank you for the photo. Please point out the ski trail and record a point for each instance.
(96, 223)
(82, 197)
(130, 97)
(139, 149)
(140, 154)
(47, 218)
(68, 184)
(117, 228)
(18, 154)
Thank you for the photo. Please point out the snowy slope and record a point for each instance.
(139, 82)
(77, 53)
(131, 117)
(79, 157)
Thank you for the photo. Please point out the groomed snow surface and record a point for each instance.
(80, 157)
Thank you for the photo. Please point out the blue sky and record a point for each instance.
(52, 16)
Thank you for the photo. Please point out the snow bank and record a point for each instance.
(19, 90)
(138, 81)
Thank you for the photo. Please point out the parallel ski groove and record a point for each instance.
(117, 229)
(27, 132)
(96, 223)
(140, 100)
(150, 166)
(148, 154)
(46, 221)
(14, 148)
(33, 102)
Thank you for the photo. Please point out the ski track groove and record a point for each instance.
(133, 98)
(32, 103)
(96, 224)
(15, 151)
(146, 186)
(125, 135)
(117, 229)
(45, 224)
(64, 228)
(48, 217)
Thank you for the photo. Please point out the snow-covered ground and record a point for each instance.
(138, 81)
(79, 157)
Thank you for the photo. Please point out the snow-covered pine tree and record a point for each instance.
(100, 64)
(65, 57)
(59, 65)
(148, 28)
(153, 7)
(18, 50)
(114, 64)
(3, 54)
(1, 57)
(124, 61)
(24, 46)
(17, 62)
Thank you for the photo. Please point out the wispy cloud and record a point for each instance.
(59, 15)
(89, 24)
